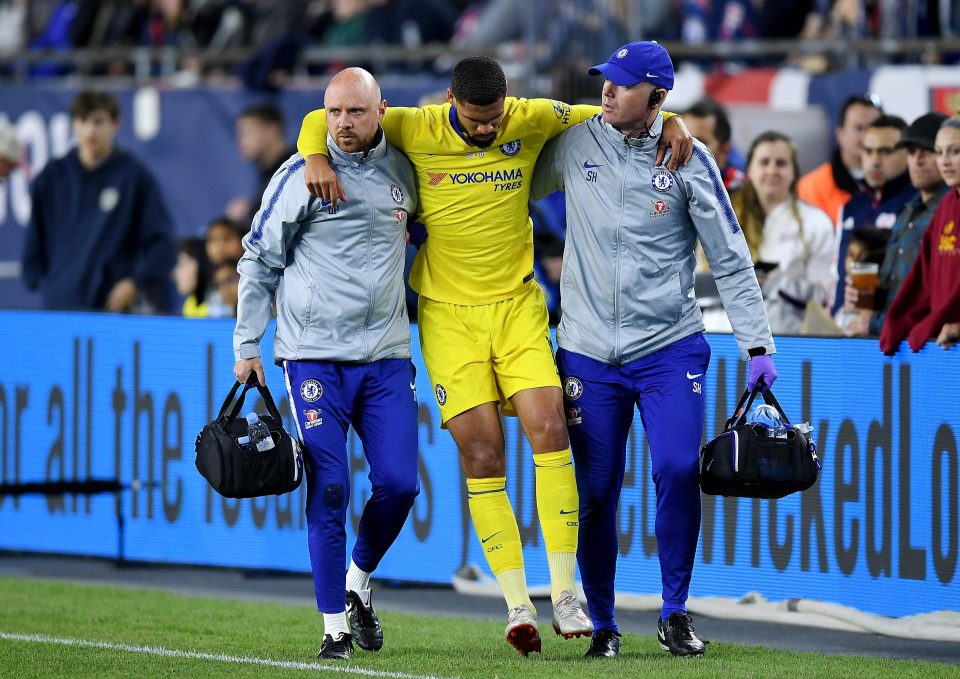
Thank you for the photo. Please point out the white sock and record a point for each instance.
(335, 624)
(357, 580)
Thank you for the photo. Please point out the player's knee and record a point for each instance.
(549, 434)
(482, 461)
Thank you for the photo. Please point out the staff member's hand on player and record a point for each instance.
(322, 181)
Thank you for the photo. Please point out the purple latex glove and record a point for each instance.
(761, 372)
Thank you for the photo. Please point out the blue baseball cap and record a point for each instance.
(638, 62)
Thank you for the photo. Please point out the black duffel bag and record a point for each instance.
(238, 471)
(747, 460)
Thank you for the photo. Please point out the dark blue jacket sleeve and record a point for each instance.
(154, 235)
(33, 258)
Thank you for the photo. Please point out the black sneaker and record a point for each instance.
(676, 635)
(339, 649)
(364, 623)
(605, 643)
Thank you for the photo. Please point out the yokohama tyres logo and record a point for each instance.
(436, 177)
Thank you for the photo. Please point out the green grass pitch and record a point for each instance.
(50, 629)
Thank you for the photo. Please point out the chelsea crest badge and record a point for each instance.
(511, 148)
(662, 180)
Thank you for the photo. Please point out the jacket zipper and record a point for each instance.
(619, 246)
(370, 224)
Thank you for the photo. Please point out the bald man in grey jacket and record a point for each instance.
(343, 339)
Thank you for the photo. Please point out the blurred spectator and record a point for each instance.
(11, 148)
(884, 164)
(191, 275)
(410, 23)
(790, 240)
(831, 185)
(224, 239)
(707, 20)
(928, 302)
(13, 26)
(226, 281)
(261, 139)
(707, 121)
(100, 235)
(223, 243)
(907, 232)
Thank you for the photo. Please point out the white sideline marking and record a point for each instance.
(241, 660)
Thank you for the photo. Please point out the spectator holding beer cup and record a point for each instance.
(859, 317)
(865, 253)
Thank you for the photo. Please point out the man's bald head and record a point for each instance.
(354, 109)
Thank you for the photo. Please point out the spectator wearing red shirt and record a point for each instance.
(928, 303)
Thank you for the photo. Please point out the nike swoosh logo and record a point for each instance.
(650, 75)
(413, 386)
(483, 541)
(572, 511)
(693, 377)
(589, 166)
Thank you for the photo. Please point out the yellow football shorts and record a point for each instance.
(488, 352)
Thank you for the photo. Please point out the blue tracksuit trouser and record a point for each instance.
(379, 400)
(668, 388)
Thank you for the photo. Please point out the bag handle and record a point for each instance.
(743, 407)
(251, 383)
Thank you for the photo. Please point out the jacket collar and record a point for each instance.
(892, 187)
(615, 135)
(377, 150)
(841, 175)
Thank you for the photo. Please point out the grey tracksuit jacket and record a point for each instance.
(337, 274)
(632, 228)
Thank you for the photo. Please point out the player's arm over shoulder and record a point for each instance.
(553, 116)
(401, 124)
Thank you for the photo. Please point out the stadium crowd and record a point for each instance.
(274, 32)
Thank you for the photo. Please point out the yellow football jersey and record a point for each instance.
(473, 201)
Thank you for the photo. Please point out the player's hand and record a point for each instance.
(949, 335)
(677, 138)
(122, 296)
(245, 366)
(850, 295)
(859, 325)
(322, 181)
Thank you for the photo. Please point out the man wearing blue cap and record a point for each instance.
(631, 330)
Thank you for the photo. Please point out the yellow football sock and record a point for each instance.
(513, 584)
(562, 565)
(558, 506)
(495, 524)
